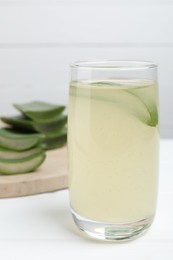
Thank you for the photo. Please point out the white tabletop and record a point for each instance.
(40, 227)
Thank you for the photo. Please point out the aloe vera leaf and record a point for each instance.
(150, 105)
(145, 100)
(12, 134)
(58, 133)
(25, 124)
(18, 142)
(19, 122)
(52, 143)
(52, 126)
(8, 154)
(147, 113)
(40, 111)
(121, 98)
(22, 165)
(56, 139)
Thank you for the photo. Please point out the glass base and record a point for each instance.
(112, 232)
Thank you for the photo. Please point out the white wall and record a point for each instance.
(38, 40)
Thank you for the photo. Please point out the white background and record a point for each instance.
(39, 38)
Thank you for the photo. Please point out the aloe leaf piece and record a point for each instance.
(145, 100)
(56, 139)
(19, 123)
(25, 124)
(10, 139)
(13, 155)
(22, 165)
(56, 142)
(52, 126)
(57, 133)
(40, 111)
(140, 105)
(150, 105)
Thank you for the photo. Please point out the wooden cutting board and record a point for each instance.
(50, 176)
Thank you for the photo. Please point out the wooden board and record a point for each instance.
(50, 176)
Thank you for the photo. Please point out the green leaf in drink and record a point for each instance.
(134, 90)
(151, 106)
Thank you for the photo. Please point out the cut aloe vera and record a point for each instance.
(55, 139)
(19, 142)
(40, 111)
(56, 142)
(143, 98)
(58, 133)
(129, 97)
(148, 103)
(19, 123)
(25, 124)
(8, 154)
(22, 165)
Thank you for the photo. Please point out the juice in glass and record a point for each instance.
(113, 144)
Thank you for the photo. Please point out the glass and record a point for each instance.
(113, 147)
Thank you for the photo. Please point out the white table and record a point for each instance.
(40, 227)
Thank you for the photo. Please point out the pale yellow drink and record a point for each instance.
(113, 141)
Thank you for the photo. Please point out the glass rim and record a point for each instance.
(114, 64)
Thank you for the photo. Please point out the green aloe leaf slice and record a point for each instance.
(130, 99)
(57, 133)
(40, 111)
(19, 123)
(22, 165)
(56, 142)
(14, 155)
(24, 124)
(56, 139)
(19, 142)
(149, 104)
(143, 98)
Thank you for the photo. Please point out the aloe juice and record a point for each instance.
(113, 141)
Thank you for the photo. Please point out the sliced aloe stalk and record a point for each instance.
(8, 154)
(144, 99)
(57, 133)
(138, 104)
(40, 111)
(56, 142)
(20, 123)
(19, 142)
(56, 139)
(25, 124)
(22, 165)
(150, 105)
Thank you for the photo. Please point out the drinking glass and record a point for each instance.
(113, 147)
